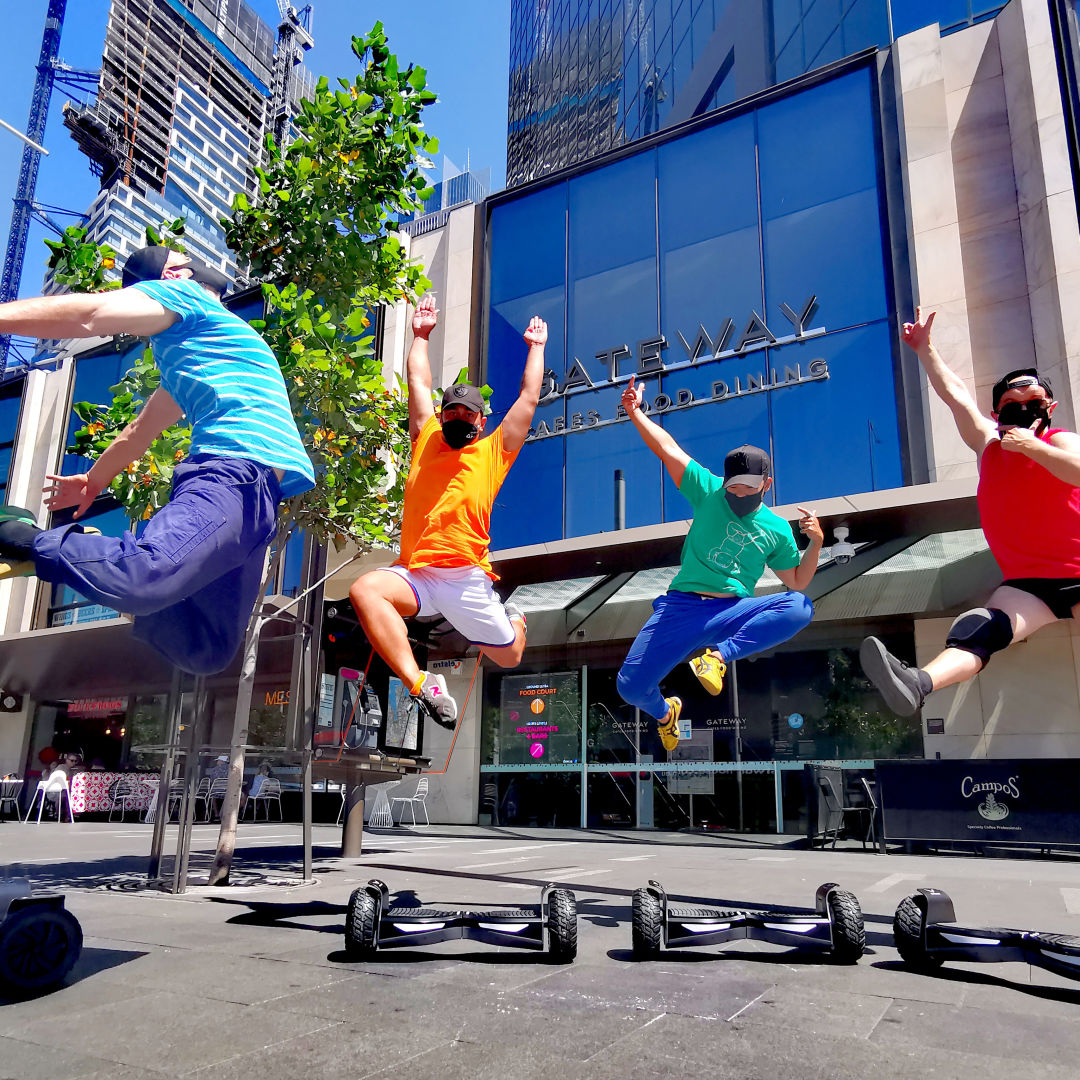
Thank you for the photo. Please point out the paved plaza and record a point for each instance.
(252, 981)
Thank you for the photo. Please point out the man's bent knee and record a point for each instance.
(982, 632)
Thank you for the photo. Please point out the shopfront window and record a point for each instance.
(532, 719)
(10, 404)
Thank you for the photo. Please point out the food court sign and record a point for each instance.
(647, 358)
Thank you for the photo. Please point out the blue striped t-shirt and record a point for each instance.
(228, 382)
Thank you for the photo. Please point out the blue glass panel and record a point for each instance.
(529, 506)
(849, 420)
(293, 564)
(531, 255)
(817, 146)
(820, 19)
(915, 14)
(833, 49)
(94, 375)
(786, 19)
(591, 461)
(803, 258)
(789, 63)
(866, 23)
(708, 432)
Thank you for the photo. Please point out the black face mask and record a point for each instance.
(208, 276)
(1024, 414)
(459, 433)
(742, 505)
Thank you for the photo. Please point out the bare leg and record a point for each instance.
(382, 602)
(509, 656)
(1027, 614)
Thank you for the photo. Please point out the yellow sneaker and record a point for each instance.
(9, 570)
(669, 726)
(710, 670)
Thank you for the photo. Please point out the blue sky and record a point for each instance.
(463, 44)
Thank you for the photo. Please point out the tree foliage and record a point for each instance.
(316, 234)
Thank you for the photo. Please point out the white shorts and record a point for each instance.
(464, 597)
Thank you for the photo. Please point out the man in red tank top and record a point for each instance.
(1029, 507)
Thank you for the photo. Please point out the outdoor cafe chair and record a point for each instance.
(56, 784)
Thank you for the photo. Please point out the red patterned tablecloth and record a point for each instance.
(90, 791)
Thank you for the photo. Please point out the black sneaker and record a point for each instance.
(17, 532)
(436, 703)
(904, 688)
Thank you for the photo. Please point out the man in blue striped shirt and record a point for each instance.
(193, 576)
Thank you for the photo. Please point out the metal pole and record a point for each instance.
(778, 779)
(161, 812)
(187, 805)
(352, 829)
(584, 746)
(620, 499)
(306, 767)
(733, 669)
(25, 138)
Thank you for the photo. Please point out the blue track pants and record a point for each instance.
(683, 624)
(193, 576)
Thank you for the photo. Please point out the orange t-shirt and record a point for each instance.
(448, 499)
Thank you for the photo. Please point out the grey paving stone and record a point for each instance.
(685, 1046)
(1012, 1035)
(170, 1032)
(797, 1007)
(208, 975)
(651, 988)
(21, 1060)
(486, 1061)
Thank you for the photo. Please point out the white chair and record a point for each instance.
(270, 791)
(341, 811)
(417, 797)
(202, 795)
(127, 794)
(56, 784)
(216, 792)
(10, 790)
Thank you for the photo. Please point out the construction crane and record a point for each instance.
(50, 70)
(293, 41)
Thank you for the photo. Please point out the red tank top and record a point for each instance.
(1031, 519)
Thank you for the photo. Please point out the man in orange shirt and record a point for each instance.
(443, 568)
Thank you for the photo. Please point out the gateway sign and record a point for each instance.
(647, 358)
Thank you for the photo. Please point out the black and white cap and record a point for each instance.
(747, 465)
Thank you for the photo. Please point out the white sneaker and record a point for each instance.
(437, 702)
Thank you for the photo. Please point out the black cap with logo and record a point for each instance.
(747, 465)
(464, 394)
(146, 264)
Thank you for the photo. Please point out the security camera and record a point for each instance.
(841, 552)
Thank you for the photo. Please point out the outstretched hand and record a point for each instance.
(536, 332)
(631, 397)
(425, 317)
(916, 335)
(65, 491)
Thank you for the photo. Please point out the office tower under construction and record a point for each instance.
(188, 90)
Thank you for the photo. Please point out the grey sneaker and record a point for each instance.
(436, 702)
(514, 612)
(903, 687)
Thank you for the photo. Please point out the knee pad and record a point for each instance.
(981, 631)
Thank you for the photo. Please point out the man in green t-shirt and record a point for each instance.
(711, 602)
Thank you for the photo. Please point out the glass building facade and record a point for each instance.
(589, 75)
(724, 291)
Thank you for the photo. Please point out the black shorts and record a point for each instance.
(1058, 594)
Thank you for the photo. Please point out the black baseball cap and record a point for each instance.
(464, 394)
(146, 264)
(748, 465)
(1005, 383)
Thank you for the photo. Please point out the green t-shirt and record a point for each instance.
(725, 553)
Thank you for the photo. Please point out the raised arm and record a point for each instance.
(126, 311)
(659, 441)
(515, 425)
(81, 489)
(976, 430)
(418, 367)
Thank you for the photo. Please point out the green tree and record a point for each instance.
(317, 235)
